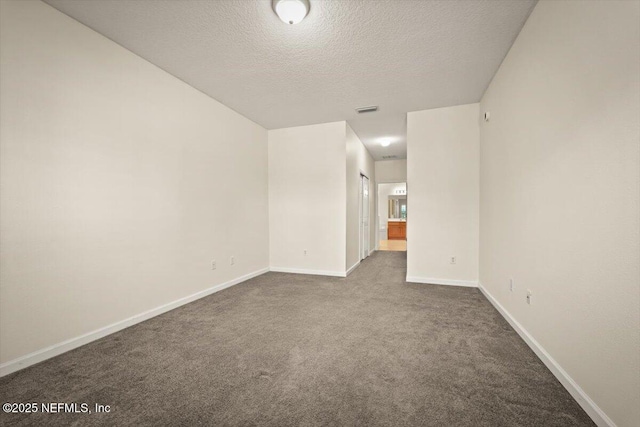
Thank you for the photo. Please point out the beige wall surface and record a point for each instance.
(391, 170)
(307, 198)
(119, 184)
(442, 195)
(358, 161)
(560, 193)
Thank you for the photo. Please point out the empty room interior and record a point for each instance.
(320, 213)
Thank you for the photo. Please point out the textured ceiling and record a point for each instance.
(403, 55)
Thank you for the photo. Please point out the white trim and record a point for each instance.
(447, 282)
(311, 272)
(372, 250)
(57, 349)
(353, 267)
(597, 415)
(361, 236)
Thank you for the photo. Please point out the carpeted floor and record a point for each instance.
(290, 350)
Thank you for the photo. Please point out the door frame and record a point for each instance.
(377, 246)
(360, 217)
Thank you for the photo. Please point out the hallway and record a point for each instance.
(392, 245)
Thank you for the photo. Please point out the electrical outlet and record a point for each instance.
(528, 296)
(511, 288)
(453, 260)
(233, 260)
(305, 252)
(213, 264)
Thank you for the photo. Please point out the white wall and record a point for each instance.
(391, 171)
(442, 184)
(358, 161)
(307, 198)
(560, 193)
(116, 182)
(384, 191)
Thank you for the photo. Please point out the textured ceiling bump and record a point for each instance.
(402, 55)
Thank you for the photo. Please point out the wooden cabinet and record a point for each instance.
(396, 230)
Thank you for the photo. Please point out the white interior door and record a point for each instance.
(364, 220)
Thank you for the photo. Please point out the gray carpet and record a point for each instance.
(290, 350)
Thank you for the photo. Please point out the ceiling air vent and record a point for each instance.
(367, 109)
(389, 157)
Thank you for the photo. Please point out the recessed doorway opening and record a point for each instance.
(392, 216)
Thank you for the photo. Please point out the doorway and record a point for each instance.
(392, 215)
(364, 217)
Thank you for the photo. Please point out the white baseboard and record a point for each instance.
(372, 251)
(597, 415)
(353, 267)
(311, 272)
(448, 282)
(57, 349)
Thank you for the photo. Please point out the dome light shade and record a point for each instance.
(291, 11)
(385, 142)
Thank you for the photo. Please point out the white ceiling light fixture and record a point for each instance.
(291, 11)
(385, 142)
